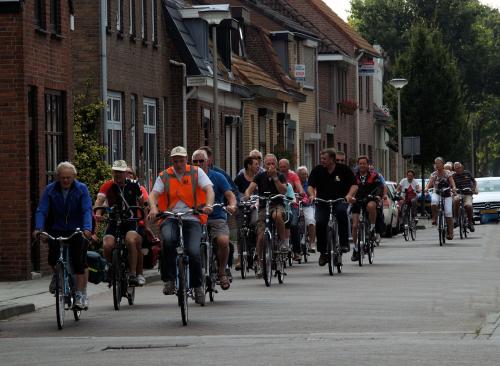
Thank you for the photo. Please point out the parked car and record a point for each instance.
(487, 202)
(391, 212)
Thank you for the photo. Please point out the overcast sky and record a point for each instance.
(341, 7)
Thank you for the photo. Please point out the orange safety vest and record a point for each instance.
(186, 190)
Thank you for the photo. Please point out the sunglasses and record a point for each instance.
(198, 161)
(339, 160)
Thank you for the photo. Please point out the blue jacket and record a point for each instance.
(54, 213)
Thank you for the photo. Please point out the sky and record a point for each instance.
(341, 7)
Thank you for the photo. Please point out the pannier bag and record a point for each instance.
(98, 267)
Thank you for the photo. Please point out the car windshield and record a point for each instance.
(489, 185)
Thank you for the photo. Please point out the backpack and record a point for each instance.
(98, 267)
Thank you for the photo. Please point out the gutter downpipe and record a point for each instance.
(104, 69)
(361, 53)
(184, 102)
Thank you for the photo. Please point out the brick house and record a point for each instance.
(35, 119)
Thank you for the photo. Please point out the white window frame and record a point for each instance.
(143, 25)
(150, 124)
(114, 123)
(153, 21)
(231, 143)
(132, 19)
(119, 8)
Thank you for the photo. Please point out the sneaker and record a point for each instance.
(141, 281)
(132, 280)
(229, 274)
(78, 300)
(52, 286)
(355, 256)
(199, 295)
(169, 288)
(323, 259)
(346, 249)
(312, 250)
(283, 246)
(471, 228)
(85, 302)
(258, 271)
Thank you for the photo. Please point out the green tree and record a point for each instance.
(431, 103)
(487, 136)
(89, 153)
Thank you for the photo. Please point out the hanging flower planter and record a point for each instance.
(347, 106)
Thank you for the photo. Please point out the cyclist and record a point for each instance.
(369, 183)
(178, 188)
(271, 182)
(217, 220)
(307, 207)
(242, 181)
(440, 179)
(64, 207)
(330, 181)
(410, 188)
(256, 154)
(293, 179)
(340, 157)
(463, 180)
(122, 193)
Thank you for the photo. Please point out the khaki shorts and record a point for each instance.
(467, 199)
(261, 224)
(218, 227)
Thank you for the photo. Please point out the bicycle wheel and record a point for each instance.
(130, 295)
(371, 250)
(76, 312)
(465, 224)
(361, 243)
(268, 259)
(243, 256)
(406, 224)
(60, 298)
(329, 249)
(305, 249)
(280, 268)
(461, 223)
(204, 270)
(182, 291)
(116, 280)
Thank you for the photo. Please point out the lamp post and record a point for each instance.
(399, 84)
(214, 15)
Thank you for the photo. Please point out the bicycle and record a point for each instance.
(463, 221)
(120, 271)
(409, 223)
(305, 245)
(65, 289)
(271, 245)
(333, 249)
(247, 233)
(442, 226)
(183, 288)
(366, 241)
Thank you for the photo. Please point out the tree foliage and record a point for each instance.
(89, 153)
(487, 136)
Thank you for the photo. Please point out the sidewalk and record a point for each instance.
(20, 297)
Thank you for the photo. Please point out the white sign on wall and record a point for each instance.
(300, 72)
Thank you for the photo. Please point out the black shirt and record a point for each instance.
(266, 184)
(131, 192)
(241, 182)
(331, 186)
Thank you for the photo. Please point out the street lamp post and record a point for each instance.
(214, 15)
(399, 84)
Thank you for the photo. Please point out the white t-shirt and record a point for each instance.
(405, 184)
(180, 206)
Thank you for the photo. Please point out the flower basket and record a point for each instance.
(347, 106)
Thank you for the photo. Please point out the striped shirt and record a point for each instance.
(464, 180)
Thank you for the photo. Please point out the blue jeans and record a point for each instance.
(170, 239)
(294, 229)
(322, 216)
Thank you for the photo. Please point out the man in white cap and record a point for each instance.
(122, 193)
(177, 189)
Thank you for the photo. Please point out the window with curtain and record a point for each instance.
(114, 127)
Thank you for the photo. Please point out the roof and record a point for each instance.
(251, 74)
(343, 27)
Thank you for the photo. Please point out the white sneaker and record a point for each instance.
(78, 300)
(141, 281)
(85, 302)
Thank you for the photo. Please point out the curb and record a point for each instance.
(9, 310)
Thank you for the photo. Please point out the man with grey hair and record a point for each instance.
(307, 207)
(64, 207)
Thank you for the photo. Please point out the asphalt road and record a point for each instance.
(418, 304)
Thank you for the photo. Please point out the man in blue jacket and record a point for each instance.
(64, 207)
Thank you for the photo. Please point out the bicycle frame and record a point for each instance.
(246, 255)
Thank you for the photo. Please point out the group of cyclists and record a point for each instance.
(66, 205)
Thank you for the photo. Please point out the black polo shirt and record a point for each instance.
(266, 184)
(330, 186)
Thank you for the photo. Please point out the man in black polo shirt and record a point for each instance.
(330, 181)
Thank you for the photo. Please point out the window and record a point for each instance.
(345, 149)
(132, 28)
(360, 92)
(309, 155)
(231, 143)
(309, 62)
(262, 134)
(341, 84)
(150, 150)
(54, 132)
(154, 22)
(339, 146)
(206, 126)
(107, 16)
(119, 16)
(55, 16)
(144, 20)
(40, 14)
(133, 128)
(367, 79)
(329, 140)
(370, 151)
(114, 127)
(280, 45)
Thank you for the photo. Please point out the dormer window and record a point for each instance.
(280, 44)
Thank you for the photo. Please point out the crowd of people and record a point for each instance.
(196, 183)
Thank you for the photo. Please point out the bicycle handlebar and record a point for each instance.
(320, 200)
(60, 238)
(176, 215)
(274, 197)
(113, 210)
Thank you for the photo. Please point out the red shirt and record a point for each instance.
(293, 179)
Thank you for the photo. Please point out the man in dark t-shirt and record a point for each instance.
(121, 193)
(330, 181)
(269, 183)
(467, 186)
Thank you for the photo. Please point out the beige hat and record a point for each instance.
(178, 151)
(120, 165)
